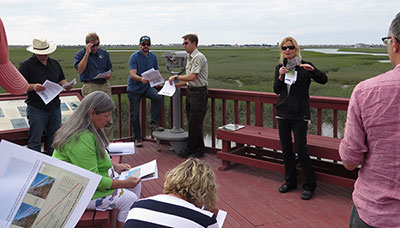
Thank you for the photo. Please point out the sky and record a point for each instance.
(67, 22)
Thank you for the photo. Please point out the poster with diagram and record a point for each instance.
(13, 112)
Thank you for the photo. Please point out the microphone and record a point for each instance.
(285, 62)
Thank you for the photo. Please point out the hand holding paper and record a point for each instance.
(168, 89)
(52, 89)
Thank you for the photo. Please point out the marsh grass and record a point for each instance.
(242, 69)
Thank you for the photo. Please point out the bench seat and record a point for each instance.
(258, 147)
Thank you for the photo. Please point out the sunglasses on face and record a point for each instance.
(146, 44)
(286, 47)
(386, 39)
(96, 45)
(185, 43)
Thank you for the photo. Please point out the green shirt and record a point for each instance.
(83, 151)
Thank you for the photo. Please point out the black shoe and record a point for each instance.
(307, 195)
(184, 154)
(285, 188)
(197, 155)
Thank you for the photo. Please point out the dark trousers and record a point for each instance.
(41, 121)
(299, 128)
(196, 108)
(356, 221)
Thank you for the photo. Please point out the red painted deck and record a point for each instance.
(250, 195)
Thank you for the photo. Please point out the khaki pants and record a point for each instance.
(89, 87)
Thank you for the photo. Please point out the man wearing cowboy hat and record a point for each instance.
(36, 70)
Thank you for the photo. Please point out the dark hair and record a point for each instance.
(192, 38)
(394, 29)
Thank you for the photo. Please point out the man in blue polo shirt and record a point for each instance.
(139, 62)
(89, 62)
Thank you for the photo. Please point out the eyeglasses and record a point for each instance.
(286, 47)
(185, 43)
(96, 45)
(386, 39)
(146, 44)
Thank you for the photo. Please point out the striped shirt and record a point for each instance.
(163, 211)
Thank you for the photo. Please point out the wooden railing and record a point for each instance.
(225, 106)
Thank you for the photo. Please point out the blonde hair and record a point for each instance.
(92, 37)
(195, 181)
(294, 42)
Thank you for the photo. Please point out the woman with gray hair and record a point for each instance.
(188, 188)
(82, 141)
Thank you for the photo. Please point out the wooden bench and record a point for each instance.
(257, 146)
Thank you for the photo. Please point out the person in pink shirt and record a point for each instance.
(372, 141)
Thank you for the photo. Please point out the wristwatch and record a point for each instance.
(176, 77)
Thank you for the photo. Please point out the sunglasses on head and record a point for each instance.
(146, 44)
(290, 47)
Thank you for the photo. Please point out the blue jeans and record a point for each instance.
(41, 121)
(134, 104)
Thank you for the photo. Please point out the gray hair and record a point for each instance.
(80, 120)
(394, 29)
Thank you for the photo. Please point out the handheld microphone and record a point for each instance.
(285, 62)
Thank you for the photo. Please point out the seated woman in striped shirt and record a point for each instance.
(188, 188)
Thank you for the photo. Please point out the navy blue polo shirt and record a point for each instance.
(140, 63)
(97, 63)
(35, 72)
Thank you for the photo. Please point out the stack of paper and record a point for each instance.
(121, 148)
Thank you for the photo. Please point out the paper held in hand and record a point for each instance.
(167, 89)
(121, 148)
(291, 77)
(105, 75)
(147, 171)
(153, 76)
(51, 91)
(70, 84)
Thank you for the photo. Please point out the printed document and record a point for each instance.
(71, 83)
(121, 148)
(221, 216)
(147, 171)
(153, 76)
(167, 89)
(106, 75)
(51, 91)
(41, 191)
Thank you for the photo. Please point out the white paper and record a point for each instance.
(121, 148)
(167, 89)
(221, 216)
(103, 75)
(71, 83)
(47, 192)
(51, 91)
(232, 127)
(291, 77)
(153, 76)
(147, 171)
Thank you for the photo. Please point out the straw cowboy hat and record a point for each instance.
(10, 78)
(40, 46)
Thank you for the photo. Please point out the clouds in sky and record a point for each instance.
(215, 21)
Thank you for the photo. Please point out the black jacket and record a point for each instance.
(296, 104)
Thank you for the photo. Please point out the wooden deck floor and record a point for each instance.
(250, 195)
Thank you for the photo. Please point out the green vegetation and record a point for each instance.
(245, 68)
